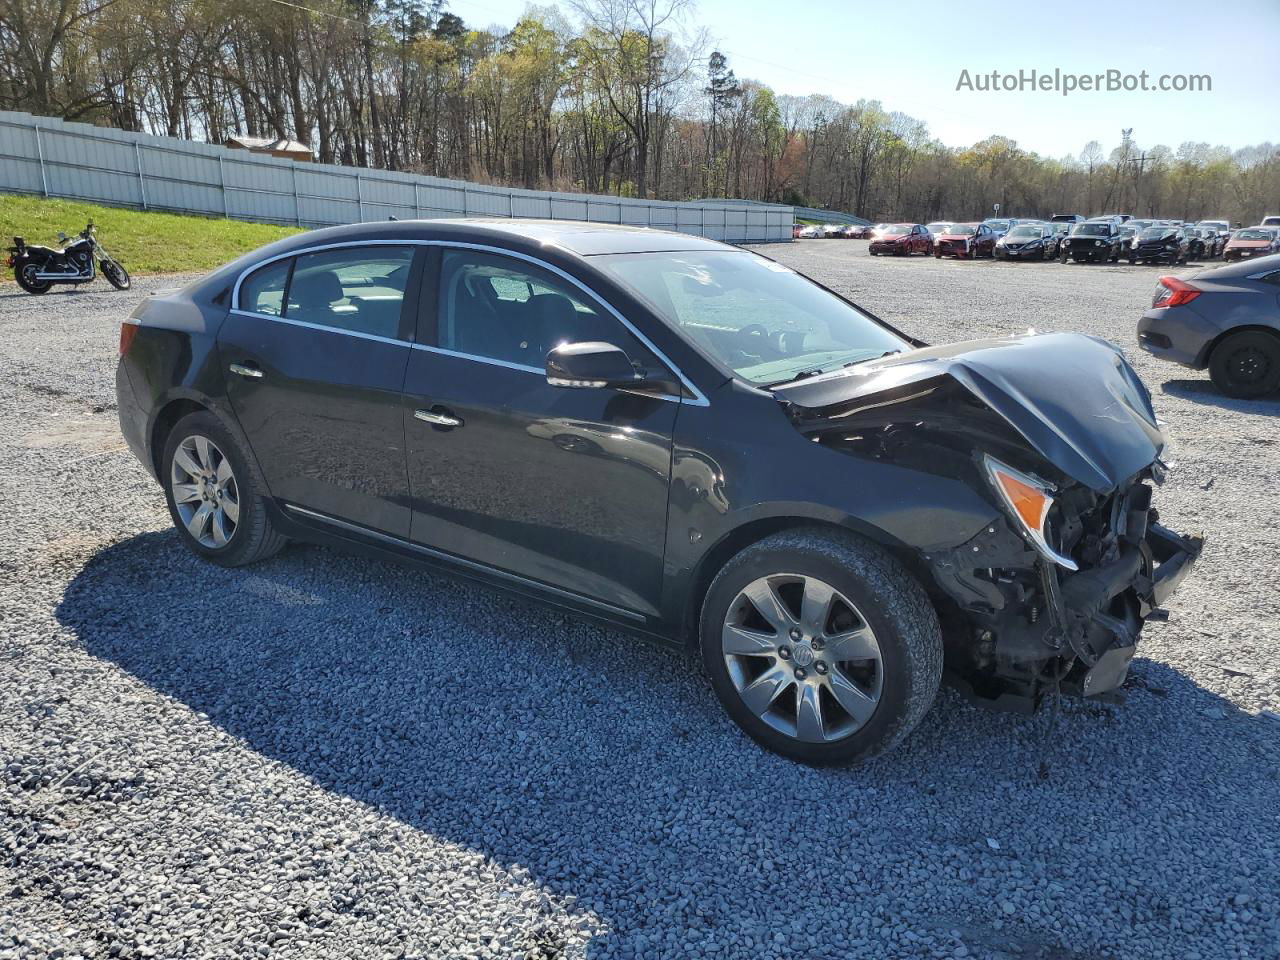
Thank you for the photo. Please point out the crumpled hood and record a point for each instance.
(1074, 398)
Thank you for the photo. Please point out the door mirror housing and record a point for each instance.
(591, 364)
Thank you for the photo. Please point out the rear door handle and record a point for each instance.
(246, 371)
(439, 417)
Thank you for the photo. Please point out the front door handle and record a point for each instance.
(438, 417)
(246, 371)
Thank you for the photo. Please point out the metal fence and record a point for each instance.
(53, 158)
(804, 213)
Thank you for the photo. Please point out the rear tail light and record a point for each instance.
(127, 332)
(1172, 292)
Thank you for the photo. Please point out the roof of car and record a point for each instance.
(575, 236)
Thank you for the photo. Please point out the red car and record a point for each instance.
(1251, 242)
(901, 239)
(967, 240)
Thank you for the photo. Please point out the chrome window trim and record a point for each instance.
(464, 562)
(324, 329)
(699, 398)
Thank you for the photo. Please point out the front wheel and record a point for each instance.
(216, 498)
(25, 274)
(1246, 364)
(116, 274)
(821, 646)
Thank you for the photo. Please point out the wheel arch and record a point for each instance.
(753, 531)
(1206, 352)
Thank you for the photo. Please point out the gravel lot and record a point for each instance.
(326, 757)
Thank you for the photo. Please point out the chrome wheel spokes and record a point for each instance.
(205, 491)
(802, 657)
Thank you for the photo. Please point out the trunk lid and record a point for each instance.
(1074, 398)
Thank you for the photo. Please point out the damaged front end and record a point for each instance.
(1057, 433)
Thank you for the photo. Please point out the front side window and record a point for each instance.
(263, 290)
(758, 318)
(357, 289)
(502, 308)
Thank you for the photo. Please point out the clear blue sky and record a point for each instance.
(909, 55)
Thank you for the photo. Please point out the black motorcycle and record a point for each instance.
(38, 268)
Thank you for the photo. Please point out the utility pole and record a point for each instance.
(1141, 161)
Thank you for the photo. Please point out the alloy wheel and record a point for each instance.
(205, 491)
(802, 657)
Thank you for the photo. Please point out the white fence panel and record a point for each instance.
(50, 157)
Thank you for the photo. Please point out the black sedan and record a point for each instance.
(677, 437)
(1027, 241)
(1226, 320)
(1161, 245)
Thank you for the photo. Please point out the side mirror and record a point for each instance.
(591, 364)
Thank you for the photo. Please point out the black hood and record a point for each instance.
(1073, 398)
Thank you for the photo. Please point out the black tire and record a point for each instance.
(23, 273)
(116, 274)
(254, 537)
(1246, 364)
(889, 600)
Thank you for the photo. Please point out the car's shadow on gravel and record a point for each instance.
(1203, 391)
(604, 768)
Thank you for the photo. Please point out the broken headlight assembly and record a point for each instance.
(1028, 500)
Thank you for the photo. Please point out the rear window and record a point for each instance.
(358, 289)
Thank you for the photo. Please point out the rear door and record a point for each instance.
(564, 486)
(314, 354)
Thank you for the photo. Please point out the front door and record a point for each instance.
(314, 357)
(564, 486)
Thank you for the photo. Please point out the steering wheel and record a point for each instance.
(759, 337)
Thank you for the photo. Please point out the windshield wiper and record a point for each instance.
(802, 375)
(887, 353)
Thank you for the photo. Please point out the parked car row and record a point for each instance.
(1104, 239)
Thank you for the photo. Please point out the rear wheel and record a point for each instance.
(116, 274)
(216, 497)
(25, 274)
(1246, 364)
(821, 646)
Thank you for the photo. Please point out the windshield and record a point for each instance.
(962, 230)
(1252, 235)
(1026, 230)
(760, 319)
(997, 224)
(1155, 233)
(1091, 230)
(937, 227)
(896, 231)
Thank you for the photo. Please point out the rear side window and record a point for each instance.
(359, 289)
(263, 290)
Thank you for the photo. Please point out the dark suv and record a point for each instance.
(678, 437)
(1094, 241)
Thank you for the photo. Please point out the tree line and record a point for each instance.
(612, 96)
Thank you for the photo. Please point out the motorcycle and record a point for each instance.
(38, 268)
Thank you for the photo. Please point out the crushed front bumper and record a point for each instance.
(1105, 639)
(1024, 623)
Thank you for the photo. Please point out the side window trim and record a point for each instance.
(694, 397)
